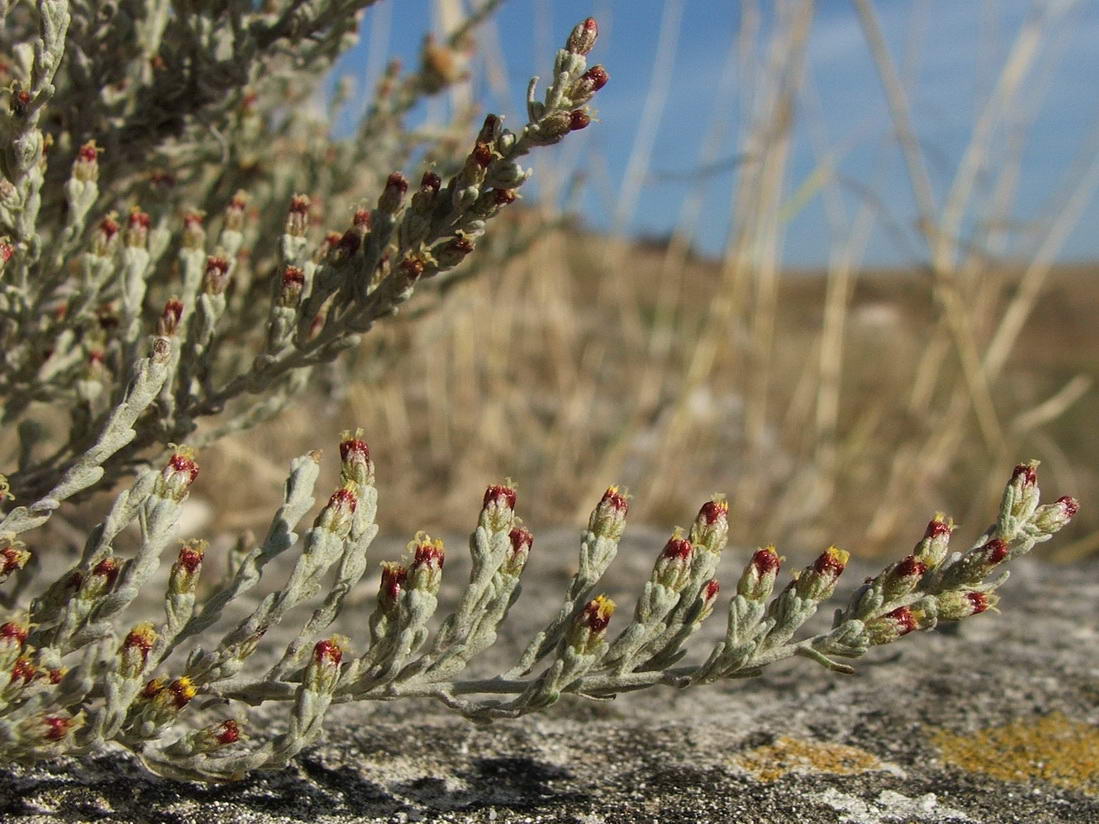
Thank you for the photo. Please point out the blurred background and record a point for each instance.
(834, 259)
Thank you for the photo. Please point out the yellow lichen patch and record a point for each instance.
(786, 755)
(1052, 748)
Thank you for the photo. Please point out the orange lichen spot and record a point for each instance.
(1052, 748)
(791, 755)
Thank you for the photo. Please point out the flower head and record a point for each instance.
(710, 529)
(588, 631)
(134, 651)
(498, 507)
(297, 217)
(338, 515)
(13, 556)
(892, 625)
(583, 36)
(608, 520)
(673, 567)
(818, 581)
(521, 541)
(177, 476)
(356, 466)
(185, 571)
(758, 581)
(169, 319)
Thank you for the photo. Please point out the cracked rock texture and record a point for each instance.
(996, 723)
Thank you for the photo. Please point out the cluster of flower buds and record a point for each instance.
(758, 581)
(608, 520)
(177, 476)
(590, 628)
(818, 581)
(356, 467)
(323, 670)
(564, 109)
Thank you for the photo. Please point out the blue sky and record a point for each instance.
(955, 48)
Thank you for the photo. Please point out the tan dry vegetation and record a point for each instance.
(534, 372)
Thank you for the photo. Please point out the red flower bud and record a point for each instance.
(297, 218)
(182, 690)
(597, 614)
(13, 632)
(107, 569)
(328, 650)
(758, 581)
(609, 518)
(13, 556)
(56, 727)
(338, 514)
(394, 576)
(582, 38)
(431, 181)
(137, 228)
(217, 274)
(579, 119)
(521, 539)
(501, 494)
(178, 475)
(482, 155)
(1027, 474)
(597, 76)
(169, 318)
(228, 732)
(395, 187)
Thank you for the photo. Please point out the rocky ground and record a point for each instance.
(997, 723)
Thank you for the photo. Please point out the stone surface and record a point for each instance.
(996, 723)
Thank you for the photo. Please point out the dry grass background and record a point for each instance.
(843, 405)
